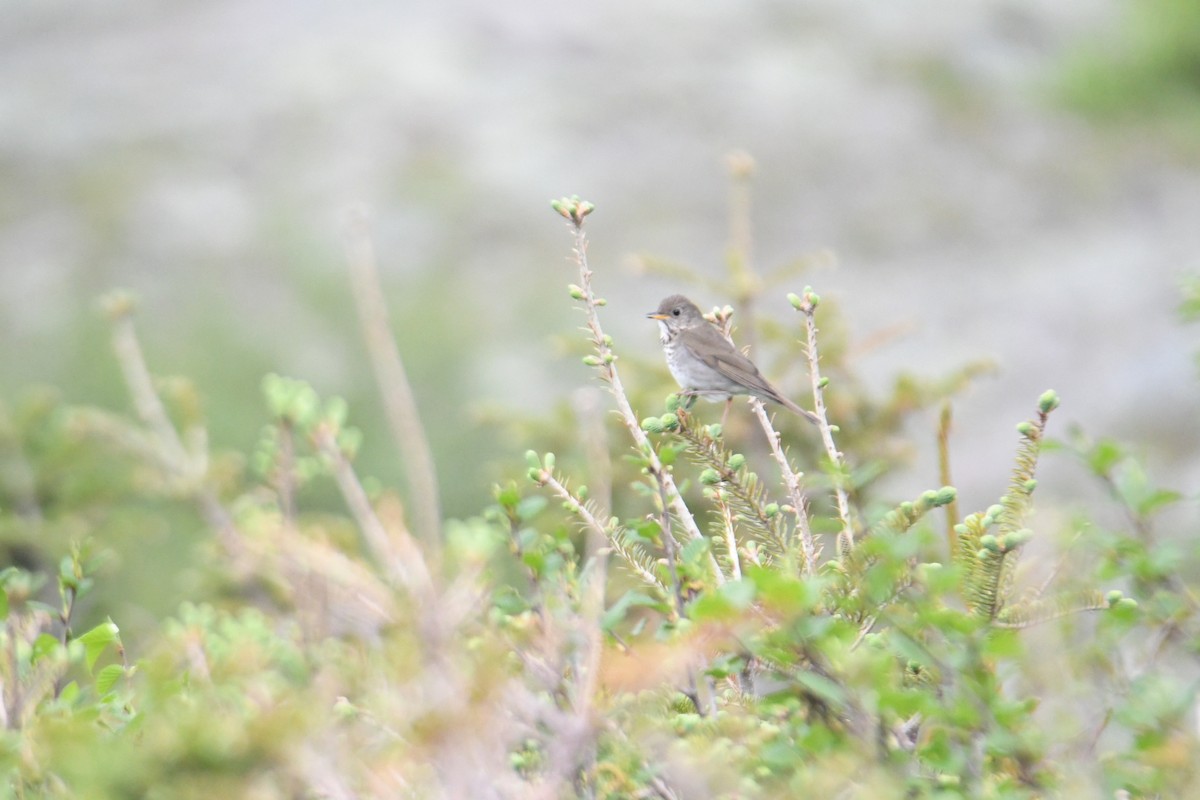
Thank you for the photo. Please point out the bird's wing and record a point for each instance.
(725, 359)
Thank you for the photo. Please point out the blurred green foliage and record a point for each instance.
(1145, 72)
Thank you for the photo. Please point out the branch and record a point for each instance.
(807, 305)
(791, 482)
(399, 405)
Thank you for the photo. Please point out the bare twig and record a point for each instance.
(943, 440)
(807, 305)
(188, 465)
(791, 482)
(398, 553)
(399, 405)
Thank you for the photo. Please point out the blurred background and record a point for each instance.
(1009, 179)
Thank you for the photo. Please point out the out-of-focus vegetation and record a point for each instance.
(664, 607)
(1145, 73)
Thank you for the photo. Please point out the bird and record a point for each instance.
(706, 364)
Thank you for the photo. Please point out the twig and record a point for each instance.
(671, 547)
(735, 561)
(146, 402)
(400, 407)
(943, 442)
(807, 305)
(401, 558)
(153, 414)
(285, 473)
(791, 482)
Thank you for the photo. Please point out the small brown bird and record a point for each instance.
(705, 363)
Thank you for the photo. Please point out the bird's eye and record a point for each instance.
(675, 312)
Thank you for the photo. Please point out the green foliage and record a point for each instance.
(1145, 71)
(674, 628)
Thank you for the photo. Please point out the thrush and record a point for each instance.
(705, 363)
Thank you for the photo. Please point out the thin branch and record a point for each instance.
(399, 554)
(672, 549)
(807, 305)
(791, 482)
(150, 410)
(735, 561)
(146, 402)
(943, 441)
(400, 406)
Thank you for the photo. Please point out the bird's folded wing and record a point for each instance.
(737, 367)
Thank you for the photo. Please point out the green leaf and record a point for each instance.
(631, 599)
(97, 639)
(108, 677)
(694, 550)
(1156, 500)
(711, 606)
(43, 646)
(822, 687)
(529, 507)
(69, 693)
(1104, 456)
(740, 592)
(783, 593)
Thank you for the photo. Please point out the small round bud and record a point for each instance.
(1113, 597)
(771, 509)
(737, 461)
(714, 430)
(548, 461)
(669, 422)
(710, 476)
(1027, 429)
(945, 496)
(1048, 401)
(989, 542)
(576, 292)
(796, 301)
(652, 425)
(1017, 538)
(673, 402)
(821, 384)
(1029, 485)
(591, 361)
(118, 303)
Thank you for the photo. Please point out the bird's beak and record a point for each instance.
(656, 315)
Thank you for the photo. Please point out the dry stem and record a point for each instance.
(791, 481)
(399, 405)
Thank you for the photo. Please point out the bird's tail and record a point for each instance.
(790, 406)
